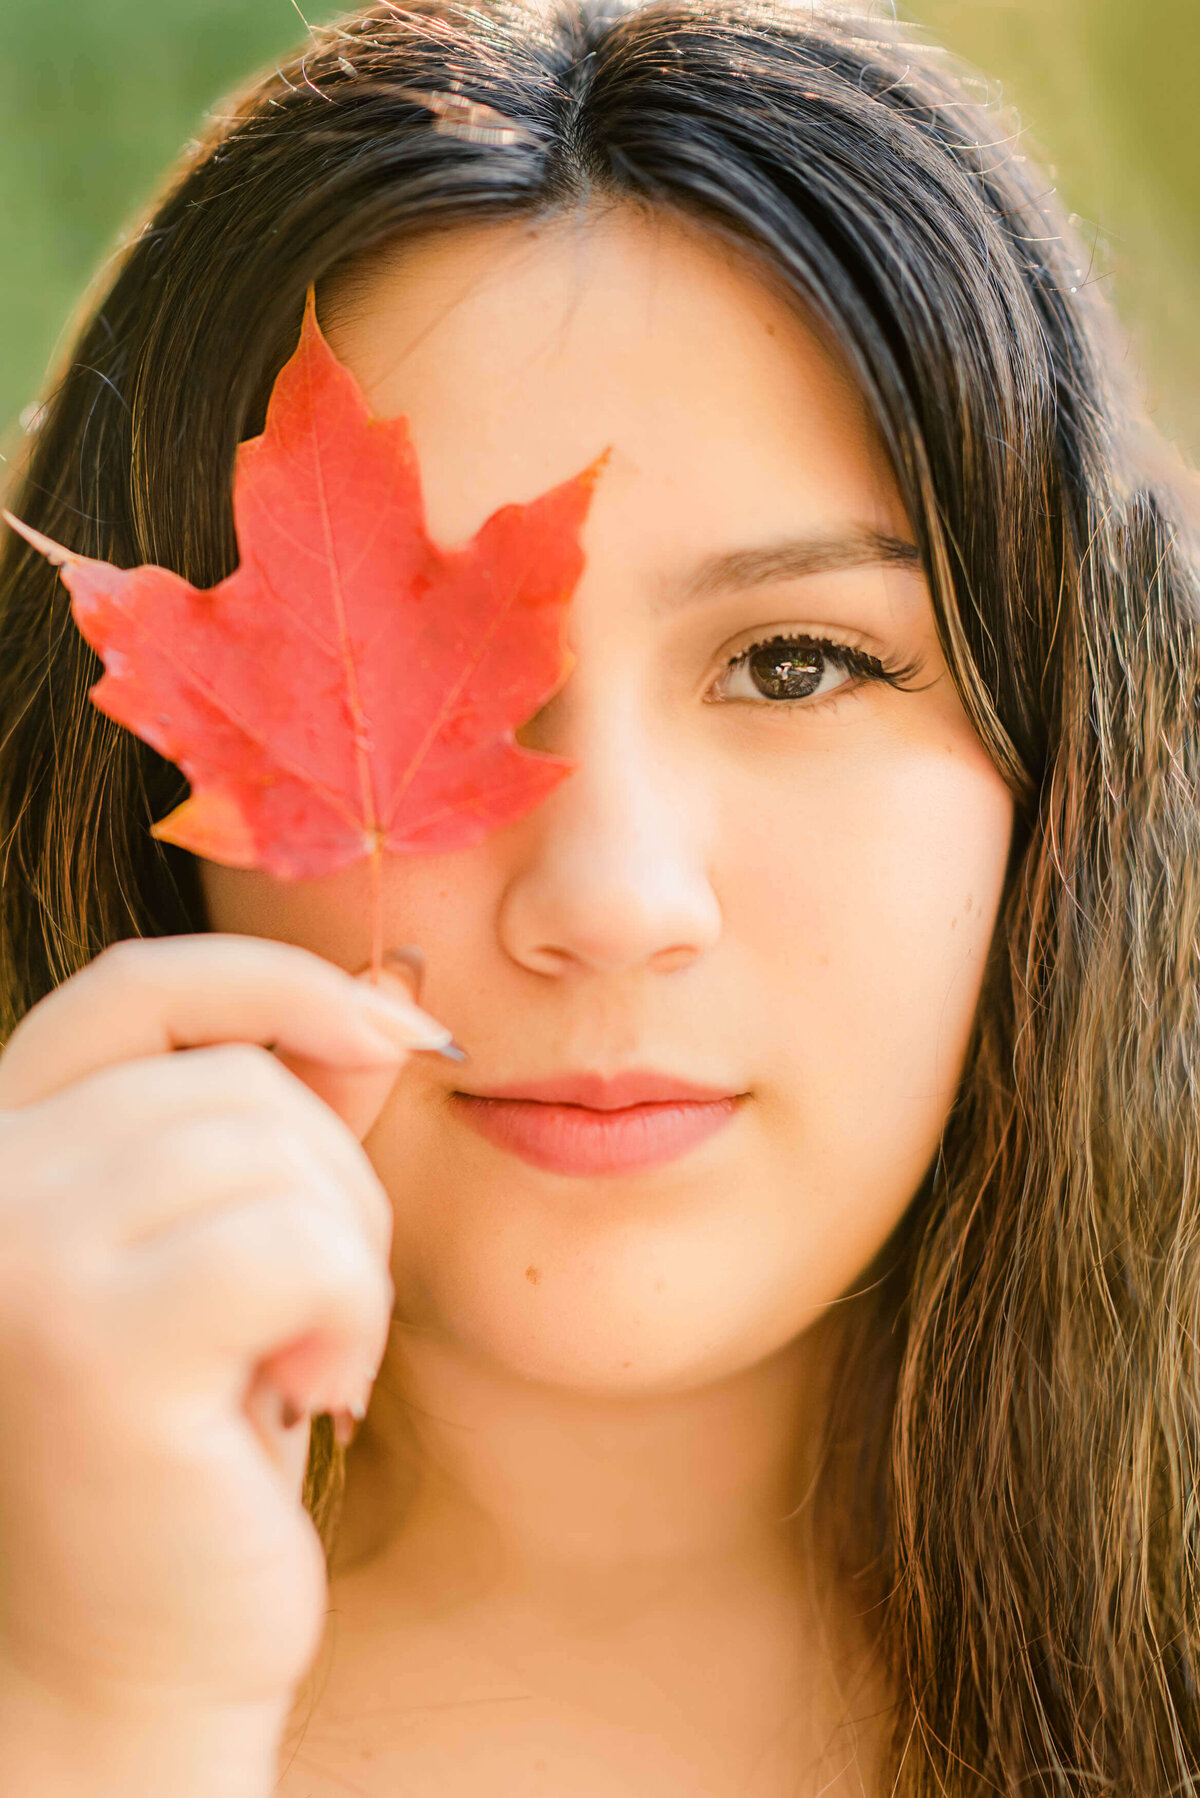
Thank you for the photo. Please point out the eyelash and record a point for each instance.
(857, 661)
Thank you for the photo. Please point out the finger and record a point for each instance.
(283, 1280)
(146, 997)
(286, 1442)
(202, 1165)
(358, 1095)
(153, 1142)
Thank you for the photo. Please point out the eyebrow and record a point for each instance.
(795, 558)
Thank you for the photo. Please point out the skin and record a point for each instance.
(574, 1555)
(189, 1240)
(566, 1561)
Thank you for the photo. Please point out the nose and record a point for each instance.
(616, 878)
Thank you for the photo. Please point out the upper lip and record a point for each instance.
(605, 1092)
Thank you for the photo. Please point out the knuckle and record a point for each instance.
(254, 1149)
(205, 1156)
(298, 1241)
(127, 962)
(229, 1141)
(335, 1240)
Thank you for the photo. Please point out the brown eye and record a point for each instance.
(794, 668)
(789, 670)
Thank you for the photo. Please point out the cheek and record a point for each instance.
(435, 902)
(330, 916)
(859, 894)
(873, 916)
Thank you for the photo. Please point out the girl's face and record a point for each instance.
(769, 876)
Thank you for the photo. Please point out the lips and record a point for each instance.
(592, 1124)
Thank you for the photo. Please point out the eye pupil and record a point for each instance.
(785, 670)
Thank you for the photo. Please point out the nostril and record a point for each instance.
(548, 960)
(577, 905)
(667, 961)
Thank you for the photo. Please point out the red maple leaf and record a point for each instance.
(351, 689)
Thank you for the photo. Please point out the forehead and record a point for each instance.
(518, 351)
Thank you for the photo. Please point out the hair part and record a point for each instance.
(1012, 1460)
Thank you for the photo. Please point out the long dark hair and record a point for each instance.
(1013, 1460)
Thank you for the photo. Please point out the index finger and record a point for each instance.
(147, 996)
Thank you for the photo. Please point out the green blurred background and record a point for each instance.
(97, 96)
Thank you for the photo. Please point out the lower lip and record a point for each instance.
(575, 1139)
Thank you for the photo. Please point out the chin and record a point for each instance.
(646, 1322)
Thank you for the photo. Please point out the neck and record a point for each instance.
(469, 1476)
(643, 1559)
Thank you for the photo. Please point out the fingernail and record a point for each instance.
(407, 961)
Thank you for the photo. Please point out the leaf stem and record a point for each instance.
(376, 911)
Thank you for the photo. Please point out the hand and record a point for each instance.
(183, 1238)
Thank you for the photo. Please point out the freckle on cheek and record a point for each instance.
(533, 1275)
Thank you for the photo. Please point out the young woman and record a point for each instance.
(785, 1317)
